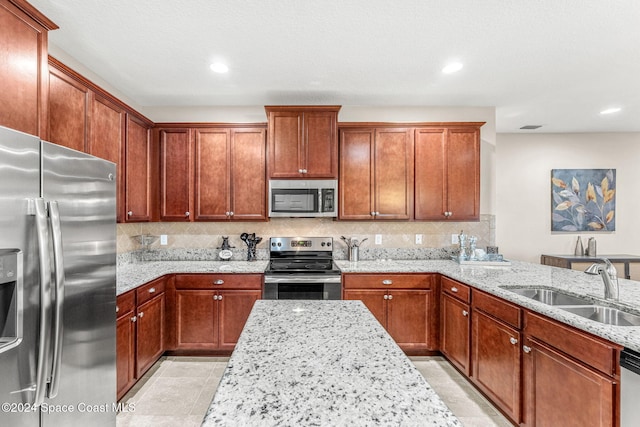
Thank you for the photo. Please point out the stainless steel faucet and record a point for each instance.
(609, 277)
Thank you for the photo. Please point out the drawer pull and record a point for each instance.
(465, 313)
(454, 289)
(219, 282)
(387, 282)
(152, 290)
(526, 349)
(513, 341)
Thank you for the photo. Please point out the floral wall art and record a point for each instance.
(583, 200)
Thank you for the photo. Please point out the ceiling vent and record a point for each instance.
(531, 127)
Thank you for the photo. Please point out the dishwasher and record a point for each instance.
(629, 388)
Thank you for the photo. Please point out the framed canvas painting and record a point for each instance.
(583, 200)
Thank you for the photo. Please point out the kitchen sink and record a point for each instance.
(606, 315)
(550, 297)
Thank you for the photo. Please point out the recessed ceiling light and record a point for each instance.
(219, 67)
(452, 67)
(611, 110)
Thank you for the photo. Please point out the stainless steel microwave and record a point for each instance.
(303, 198)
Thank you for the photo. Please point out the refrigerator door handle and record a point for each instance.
(56, 238)
(42, 231)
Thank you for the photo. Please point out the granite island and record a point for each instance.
(317, 363)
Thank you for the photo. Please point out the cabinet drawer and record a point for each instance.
(219, 281)
(150, 290)
(595, 352)
(125, 303)
(456, 289)
(498, 308)
(387, 281)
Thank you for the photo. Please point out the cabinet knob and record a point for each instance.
(526, 349)
(513, 341)
(134, 319)
(130, 213)
(231, 213)
(226, 213)
(187, 214)
(152, 290)
(454, 290)
(387, 282)
(390, 296)
(299, 170)
(304, 171)
(465, 313)
(373, 213)
(141, 315)
(117, 309)
(385, 297)
(218, 282)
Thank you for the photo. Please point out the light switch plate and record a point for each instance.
(163, 239)
(378, 239)
(418, 239)
(454, 239)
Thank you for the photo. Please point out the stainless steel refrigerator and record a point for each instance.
(57, 285)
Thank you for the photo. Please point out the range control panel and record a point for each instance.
(277, 244)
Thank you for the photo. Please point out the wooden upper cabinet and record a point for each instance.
(69, 102)
(212, 191)
(176, 174)
(24, 74)
(303, 141)
(447, 172)
(138, 171)
(376, 173)
(248, 174)
(106, 140)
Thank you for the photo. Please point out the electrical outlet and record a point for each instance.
(378, 239)
(418, 239)
(454, 239)
(163, 239)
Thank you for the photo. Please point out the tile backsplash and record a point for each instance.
(208, 235)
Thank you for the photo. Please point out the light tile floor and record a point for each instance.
(178, 390)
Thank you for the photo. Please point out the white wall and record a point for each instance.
(523, 191)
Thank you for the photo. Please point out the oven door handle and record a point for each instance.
(302, 279)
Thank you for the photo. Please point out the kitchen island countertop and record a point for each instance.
(313, 363)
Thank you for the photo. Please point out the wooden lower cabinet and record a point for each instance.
(126, 343)
(150, 335)
(455, 326)
(408, 315)
(212, 319)
(496, 362)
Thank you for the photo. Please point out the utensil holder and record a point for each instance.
(354, 253)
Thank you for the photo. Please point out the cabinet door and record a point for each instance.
(393, 169)
(320, 145)
(23, 70)
(233, 311)
(408, 319)
(212, 189)
(463, 173)
(248, 174)
(561, 391)
(125, 352)
(496, 362)
(138, 171)
(285, 142)
(176, 174)
(374, 300)
(454, 332)
(106, 140)
(196, 320)
(150, 335)
(430, 174)
(68, 107)
(356, 174)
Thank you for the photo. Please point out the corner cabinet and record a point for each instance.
(212, 173)
(24, 79)
(303, 141)
(403, 303)
(447, 172)
(211, 309)
(376, 173)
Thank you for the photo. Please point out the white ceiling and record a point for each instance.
(555, 63)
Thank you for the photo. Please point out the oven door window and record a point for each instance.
(301, 291)
(294, 200)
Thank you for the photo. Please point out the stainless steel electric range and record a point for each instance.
(302, 268)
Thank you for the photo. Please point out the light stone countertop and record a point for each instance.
(320, 363)
(489, 279)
